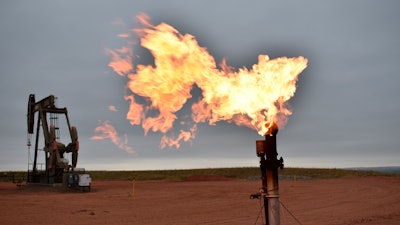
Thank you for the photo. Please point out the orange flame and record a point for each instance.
(106, 130)
(248, 97)
(112, 108)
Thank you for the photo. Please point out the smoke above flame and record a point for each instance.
(251, 97)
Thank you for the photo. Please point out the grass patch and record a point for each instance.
(238, 173)
(13, 176)
(316, 173)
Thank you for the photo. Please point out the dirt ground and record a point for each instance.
(204, 200)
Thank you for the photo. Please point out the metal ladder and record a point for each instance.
(54, 121)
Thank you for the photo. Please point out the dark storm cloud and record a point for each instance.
(346, 102)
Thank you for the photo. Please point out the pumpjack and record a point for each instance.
(57, 168)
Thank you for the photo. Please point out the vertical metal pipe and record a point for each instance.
(263, 169)
(269, 164)
(272, 180)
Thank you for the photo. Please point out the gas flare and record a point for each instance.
(106, 130)
(247, 97)
(112, 108)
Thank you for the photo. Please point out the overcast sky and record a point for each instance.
(345, 111)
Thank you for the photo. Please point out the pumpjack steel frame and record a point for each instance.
(54, 151)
